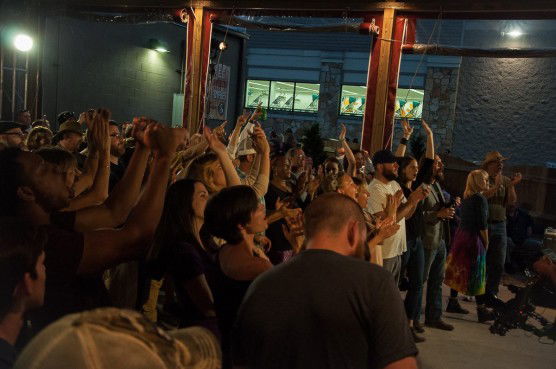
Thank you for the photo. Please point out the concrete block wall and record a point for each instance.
(506, 105)
(88, 64)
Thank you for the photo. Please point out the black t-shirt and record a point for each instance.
(322, 310)
(274, 231)
(7, 355)
(65, 291)
(116, 174)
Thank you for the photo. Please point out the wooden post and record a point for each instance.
(199, 30)
(381, 96)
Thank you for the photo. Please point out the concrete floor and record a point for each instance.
(471, 345)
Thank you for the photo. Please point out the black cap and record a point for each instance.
(384, 157)
(65, 115)
(7, 125)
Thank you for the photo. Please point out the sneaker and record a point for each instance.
(440, 324)
(418, 327)
(455, 307)
(416, 337)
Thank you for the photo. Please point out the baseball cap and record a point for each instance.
(65, 115)
(384, 157)
(5, 126)
(493, 156)
(115, 338)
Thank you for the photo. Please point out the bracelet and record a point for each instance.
(403, 141)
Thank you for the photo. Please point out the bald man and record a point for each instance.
(327, 307)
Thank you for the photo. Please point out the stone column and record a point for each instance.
(329, 97)
(439, 104)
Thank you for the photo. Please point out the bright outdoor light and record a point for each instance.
(515, 33)
(23, 42)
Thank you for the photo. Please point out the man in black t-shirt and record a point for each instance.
(325, 308)
(22, 280)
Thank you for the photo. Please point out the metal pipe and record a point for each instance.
(14, 80)
(25, 88)
(1, 79)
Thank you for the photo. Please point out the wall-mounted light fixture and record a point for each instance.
(23, 42)
(222, 46)
(158, 46)
(514, 33)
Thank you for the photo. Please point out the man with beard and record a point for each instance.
(500, 195)
(327, 307)
(82, 244)
(383, 190)
(11, 135)
(434, 230)
(117, 149)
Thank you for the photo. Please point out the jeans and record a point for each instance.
(496, 256)
(415, 269)
(394, 266)
(435, 261)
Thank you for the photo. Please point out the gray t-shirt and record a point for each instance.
(322, 310)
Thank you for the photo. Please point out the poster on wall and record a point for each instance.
(218, 95)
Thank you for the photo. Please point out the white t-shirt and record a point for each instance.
(396, 244)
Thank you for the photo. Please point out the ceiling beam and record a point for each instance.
(446, 6)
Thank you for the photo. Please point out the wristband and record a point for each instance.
(403, 141)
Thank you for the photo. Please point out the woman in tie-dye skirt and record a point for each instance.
(466, 262)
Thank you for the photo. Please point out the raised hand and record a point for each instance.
(140, 125)
(407, 129)
(214, 142)
(343, 132)
(294, 232)
(97, 135)
(386, 228)
(163, 140)
(220, 131)
(260, 142)
(419, 194)
(426, 127)
(516, 178)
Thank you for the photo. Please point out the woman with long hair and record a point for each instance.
(414, 257)
(235, 215)
(466, 261)
(179, 253)
(215, 168)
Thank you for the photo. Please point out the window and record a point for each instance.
(283, 95)
(257, 92)
(409, 103)
(306, 97)
(352, 101)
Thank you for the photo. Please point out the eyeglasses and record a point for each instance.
(117, 135)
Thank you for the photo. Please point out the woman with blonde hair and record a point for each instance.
(38, 137)
(466, 262)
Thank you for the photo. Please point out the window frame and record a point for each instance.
(280, 111)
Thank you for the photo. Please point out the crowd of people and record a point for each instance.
(284, 262)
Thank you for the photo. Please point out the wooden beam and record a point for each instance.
(385, 58)
(199, 35)
(475, 8)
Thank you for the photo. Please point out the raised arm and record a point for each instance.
(232, 179)
(106, 248)
(115, 210)
(430, 140)
(90, 166)
(407, 132)
(351, 171)
(99, 191)
(263, 156)
(234, 136)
